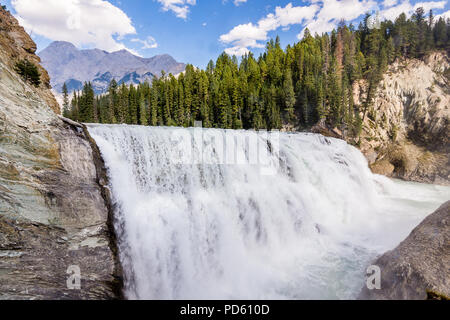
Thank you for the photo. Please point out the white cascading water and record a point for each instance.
(206, 230)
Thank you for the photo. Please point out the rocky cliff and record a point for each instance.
(406, 130)
(17, 45)
(419, 268)
(53, 206)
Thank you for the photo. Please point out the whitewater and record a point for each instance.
(197, 218)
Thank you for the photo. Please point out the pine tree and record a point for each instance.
(74, 113)
(223, 108)
(113, 102)
(236, 109)
(154, 120)
(142, 111)
(86, 104)
(289, 96)
(66, 106)
(29, 72)
(123, 109)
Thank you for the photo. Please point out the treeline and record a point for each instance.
(307, 82)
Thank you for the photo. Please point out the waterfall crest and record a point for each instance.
(223, 230)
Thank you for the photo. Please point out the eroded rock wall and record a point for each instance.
(406, 131)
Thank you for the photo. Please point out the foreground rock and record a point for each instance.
(53, 208)
(419, 268)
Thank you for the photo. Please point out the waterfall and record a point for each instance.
(196, 219)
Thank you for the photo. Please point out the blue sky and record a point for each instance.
(194, 31)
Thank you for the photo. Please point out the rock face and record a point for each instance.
(53, 206)
(67, 64)
(420, 266)
(406, 132)
(16, 45)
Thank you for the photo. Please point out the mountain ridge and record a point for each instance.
(68, 64)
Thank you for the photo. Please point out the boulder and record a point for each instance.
(419, 268)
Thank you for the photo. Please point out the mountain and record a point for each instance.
(67, 64)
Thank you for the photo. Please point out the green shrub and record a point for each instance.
(394, 133)
(29, 72)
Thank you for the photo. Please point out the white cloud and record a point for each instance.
(82, 22)
(245, 35)
(406, 7)
(149, 43)
(334, 11)
(249, 35)
(393, 12)
(238, 2)
(427, 6)
(318, 26)
(445, 15)
(319, 16)
(237, 51)
(179, 7)
(389, 3)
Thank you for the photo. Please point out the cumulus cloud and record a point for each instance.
(82, 22)
(389, 3)
(250, 35)
(179, 7)
(427, 6)
(406, 7)
(238, 2)
(237, 51)
(149, 43)
(445, 15)
(333, 11)
(318, 16)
